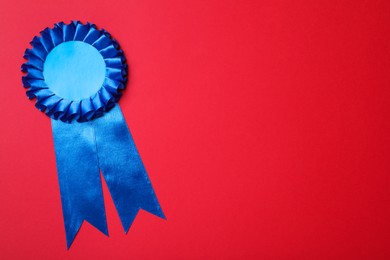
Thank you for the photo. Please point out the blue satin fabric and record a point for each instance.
(63, 77)
(106, 144)
(81, 108)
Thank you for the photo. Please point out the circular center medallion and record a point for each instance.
(74, 70)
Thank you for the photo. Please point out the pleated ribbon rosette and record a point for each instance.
(76, 73)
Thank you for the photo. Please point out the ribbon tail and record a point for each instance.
(122, 168)
(79, 177)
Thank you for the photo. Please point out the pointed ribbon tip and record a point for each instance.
(82, 150)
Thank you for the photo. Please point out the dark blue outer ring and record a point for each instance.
(80, 110)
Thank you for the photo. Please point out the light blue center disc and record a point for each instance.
(74, 70)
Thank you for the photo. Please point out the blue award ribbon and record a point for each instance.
(76, 74)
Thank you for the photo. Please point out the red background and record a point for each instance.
(263, 125)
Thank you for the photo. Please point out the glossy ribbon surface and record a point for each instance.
(82, 150)
(76, 73)
(82, 109)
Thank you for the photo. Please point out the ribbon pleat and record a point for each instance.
(110, 92)
(88, 145)
(82, 150)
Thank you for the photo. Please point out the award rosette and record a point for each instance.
(76, 73)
